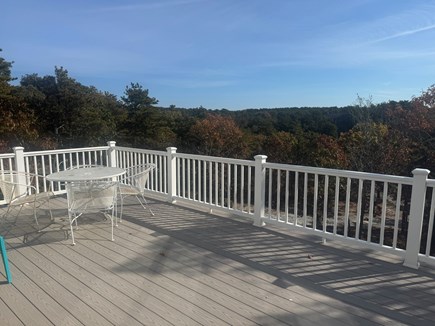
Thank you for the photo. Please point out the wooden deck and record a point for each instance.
(185, 267)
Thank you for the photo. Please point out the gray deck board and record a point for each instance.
(115, 305)
(6, 314)
(50, 279)
(79, 290)
(156, 283)
(203, 267)
(199, 285)
(187, 267)
(233, 275)
(189, 288)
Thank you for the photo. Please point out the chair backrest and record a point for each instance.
(69, 165)
(14, 184)
(84, 166)
(138, 175)
(7, 189)
(91, 195)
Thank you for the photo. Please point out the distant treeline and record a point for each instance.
(47, 112)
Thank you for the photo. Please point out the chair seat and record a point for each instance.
(128, 190)
(39, 197)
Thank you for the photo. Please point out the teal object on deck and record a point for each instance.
(5, 260)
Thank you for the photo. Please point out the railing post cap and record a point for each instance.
(111, 143)
(18, 148)
(420, 172)
(171, 149)
(260, 157)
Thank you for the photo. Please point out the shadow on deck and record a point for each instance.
(299, 263)
(183, 266)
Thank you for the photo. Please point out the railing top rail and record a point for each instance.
(341, 173)
(431, 183)
(215, 159)
(69, 150)
(7, 155)
(138, 150)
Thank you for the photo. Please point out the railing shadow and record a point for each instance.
(355, 278)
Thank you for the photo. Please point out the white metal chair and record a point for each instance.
(20, 190)
(133, 183)
(91, 196)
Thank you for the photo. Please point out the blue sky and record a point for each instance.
(232, 54)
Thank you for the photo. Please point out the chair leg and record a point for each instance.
(5, 260)
(17, 214)
(122, 208)
(49, 209)
(36, 217)
(71, 221)
(115, 207)
(144, 204)
(6, 214)
(111, 221)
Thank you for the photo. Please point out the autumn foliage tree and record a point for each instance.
(374, 147)
(218, 136)
(416, 123)
(279, 147)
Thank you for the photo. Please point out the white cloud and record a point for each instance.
(404, 33)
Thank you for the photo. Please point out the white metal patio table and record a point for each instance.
(86, 174)
(83, 188)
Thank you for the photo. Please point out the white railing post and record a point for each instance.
(19, 159)
(259, 189)
(416, 217)
(111, 154)
(172, 174)
(20, 166)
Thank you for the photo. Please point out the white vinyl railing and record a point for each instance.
(45, 162)
(335, 203)
(382, 212)
(158, 181)
(428, 231)
(215, 182)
